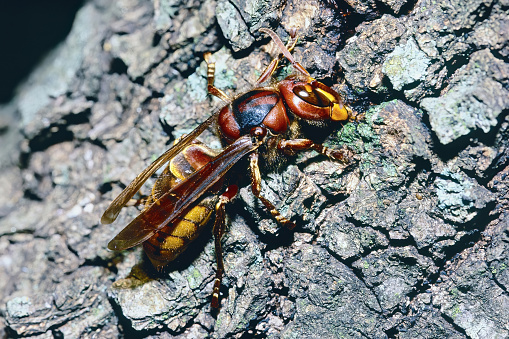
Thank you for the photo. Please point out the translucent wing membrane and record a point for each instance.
(116, 205)
(174, 202)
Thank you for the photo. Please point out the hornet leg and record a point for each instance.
(219, 228)
(256, 183)
(211, 68)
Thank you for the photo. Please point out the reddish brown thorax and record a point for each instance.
(258, 107)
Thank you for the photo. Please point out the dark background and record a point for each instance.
(28, 31)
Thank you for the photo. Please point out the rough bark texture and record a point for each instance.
(410, 242)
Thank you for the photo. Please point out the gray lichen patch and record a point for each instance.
(360, 58)
(249, 282)
(395, 5)
(387, 163)
(136, 51)
(144, 299)
(347, 240)
(393, 274)
(405, 65)
(323, 297)
(38, 313)
(19, 307)
(471, 294)
(233, 26)
(460, 198)
(477, 95)
(444, 32)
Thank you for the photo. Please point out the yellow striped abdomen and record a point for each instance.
(173, 239)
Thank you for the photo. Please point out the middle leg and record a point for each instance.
(256, 185)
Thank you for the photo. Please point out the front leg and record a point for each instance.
(289, 147)
(269, 70)
(211, 69)
(256, 185)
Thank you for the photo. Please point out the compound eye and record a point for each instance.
(311, 95)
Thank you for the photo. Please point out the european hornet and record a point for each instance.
(187, 193)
